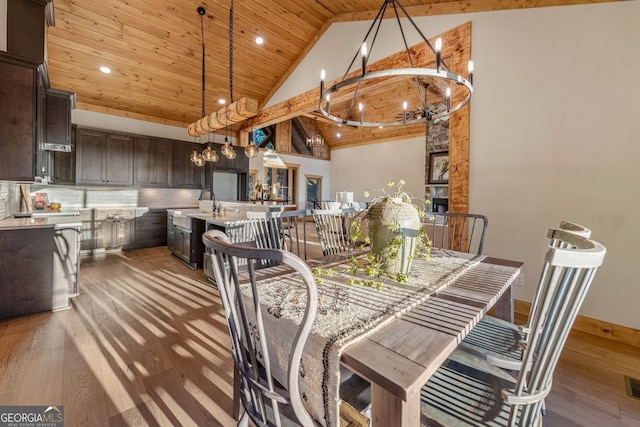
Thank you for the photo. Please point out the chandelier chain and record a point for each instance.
(201, 12)
(231, 52)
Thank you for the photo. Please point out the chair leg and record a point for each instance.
(237, 407)
(543, 408)
(244, 421)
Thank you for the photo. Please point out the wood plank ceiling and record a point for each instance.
(154, 50)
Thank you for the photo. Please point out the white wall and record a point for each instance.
(555, 135)
(371, 167)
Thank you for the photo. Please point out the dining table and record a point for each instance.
(399, 335)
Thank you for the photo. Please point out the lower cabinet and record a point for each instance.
(150, 229)
(115, 233)
(38, 270)
(188, 244)
(171, 235)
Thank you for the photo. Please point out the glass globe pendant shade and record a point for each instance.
(199, 161)
(251, 151)
(209, 154)
(193, 156)
(231, 153)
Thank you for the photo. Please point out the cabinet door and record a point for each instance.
(184, 173)
(119, 160)
(18, 123)
(162, 162)
(152, 162)
(64, 164)
(90, 148)
(143, 161)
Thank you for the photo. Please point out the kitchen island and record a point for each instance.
(186, 226)
(39, 267)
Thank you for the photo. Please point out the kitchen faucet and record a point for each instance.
(212, 195)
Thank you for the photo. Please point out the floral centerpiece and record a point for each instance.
(394, 232)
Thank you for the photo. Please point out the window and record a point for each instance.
(286, 179)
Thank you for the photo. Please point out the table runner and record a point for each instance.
(346, 314)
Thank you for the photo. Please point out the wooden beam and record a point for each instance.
(283, 137)
(462, 6)
(233, 113)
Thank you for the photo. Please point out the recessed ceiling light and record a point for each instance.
(105, 70)
(259, 40)
(222, 101)
(338, 135)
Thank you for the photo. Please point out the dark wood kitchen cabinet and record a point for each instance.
(152, 162)
(64, 163)
(184, 173)
(18, 125)
(26, 27)
(103, 158)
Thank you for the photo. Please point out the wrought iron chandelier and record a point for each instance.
(316, 139)
(443, 84)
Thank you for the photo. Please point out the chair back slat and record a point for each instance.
(280, 230)
(234, 267)
(332, 226)
(461, 232)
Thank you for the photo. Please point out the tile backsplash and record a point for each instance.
(10, 198)
(93, 197)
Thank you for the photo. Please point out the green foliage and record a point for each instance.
(371, 271)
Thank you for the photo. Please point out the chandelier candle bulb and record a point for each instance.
(470, 68)
(363, 51)
(404, 111)
(323, 75)
(360, 112)
(448, 98)
(438, 53)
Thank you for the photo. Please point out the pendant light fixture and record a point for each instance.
(228, 150)
(409, 106)
(251, 150)
(208, 154)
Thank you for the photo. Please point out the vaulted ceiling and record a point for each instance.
(153, 48)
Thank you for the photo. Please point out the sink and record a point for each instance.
(181, 220)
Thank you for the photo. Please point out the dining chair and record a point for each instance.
(500, 342)
(332, 226)
(463, 232)
(263, 399)
(280, 230)
(469, 391)
(237, 232)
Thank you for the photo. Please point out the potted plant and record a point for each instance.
(393, 228)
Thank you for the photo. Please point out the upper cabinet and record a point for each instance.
(64, 163)
(18, 126)
(184, 173)
(26, 27)
(103, 158)
(57, 124)
(152, 162)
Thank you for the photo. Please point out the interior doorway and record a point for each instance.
(313, 192)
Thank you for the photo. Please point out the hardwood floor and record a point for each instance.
(145, 343)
